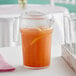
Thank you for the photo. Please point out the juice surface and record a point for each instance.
(36, 46)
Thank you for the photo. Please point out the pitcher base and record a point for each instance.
(36, 68)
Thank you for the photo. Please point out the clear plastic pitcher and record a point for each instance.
(36, 34)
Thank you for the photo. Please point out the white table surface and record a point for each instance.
(13, 55)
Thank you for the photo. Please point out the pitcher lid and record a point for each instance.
(36, 14)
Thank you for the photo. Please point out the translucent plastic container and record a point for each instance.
(36, 34)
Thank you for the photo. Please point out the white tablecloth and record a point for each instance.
(14, 57)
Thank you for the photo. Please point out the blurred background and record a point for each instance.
(70, 4)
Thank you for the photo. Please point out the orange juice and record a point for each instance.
(36, 46)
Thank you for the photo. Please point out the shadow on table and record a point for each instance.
(21, 68)
(60, 64)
